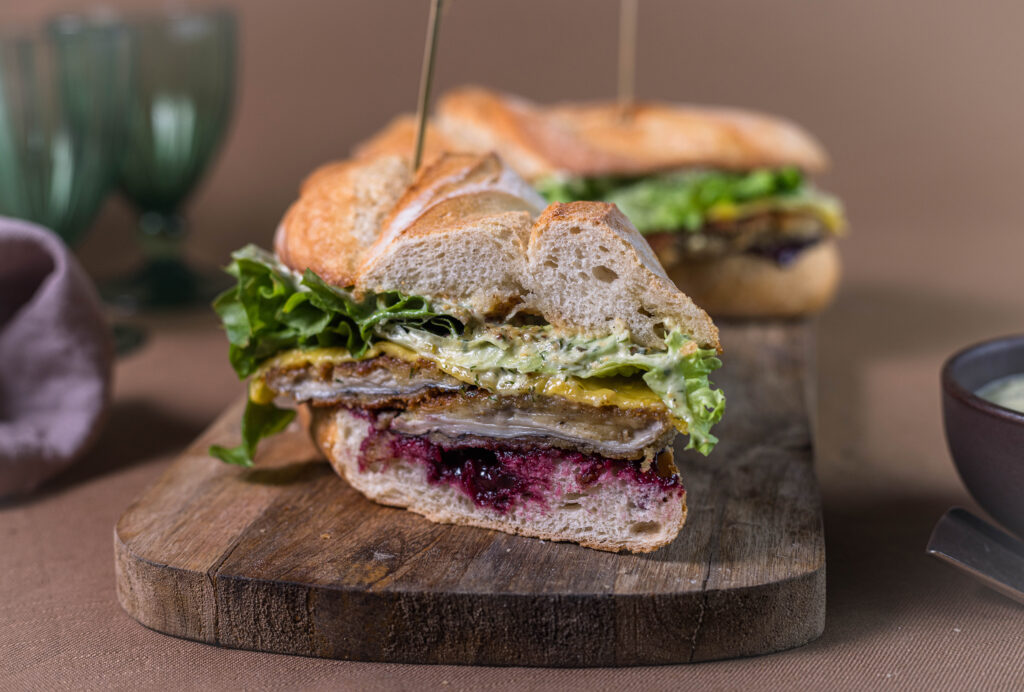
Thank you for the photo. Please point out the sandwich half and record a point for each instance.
(723, 196)
(475, 357)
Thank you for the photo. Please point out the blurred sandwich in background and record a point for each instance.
(723, 196)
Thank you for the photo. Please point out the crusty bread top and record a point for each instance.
(535, 145)
(589, 139)
(742, 285)
(463, 234)
(398, 138)
(338, 215)
(447, 178)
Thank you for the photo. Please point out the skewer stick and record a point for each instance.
(427, 79)
(627, 54)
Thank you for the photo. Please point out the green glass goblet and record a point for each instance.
(57, 155)
(183, 70)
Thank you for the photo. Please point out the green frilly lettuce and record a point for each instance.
(271, 309)
(687, 200)
(686, 390)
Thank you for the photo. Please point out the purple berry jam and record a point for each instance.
(783, 253)
(497, 477)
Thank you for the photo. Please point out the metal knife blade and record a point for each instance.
(990, 555)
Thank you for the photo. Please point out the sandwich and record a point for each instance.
(472, 355)
(723, 196)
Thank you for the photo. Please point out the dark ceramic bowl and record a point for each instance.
(985, 439)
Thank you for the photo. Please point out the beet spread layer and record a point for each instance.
(497, 477)
(783, 252)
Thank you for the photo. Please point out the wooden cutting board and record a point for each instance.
(286, 557)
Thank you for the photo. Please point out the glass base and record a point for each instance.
(164, 283)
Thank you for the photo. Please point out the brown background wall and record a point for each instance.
(919, 102)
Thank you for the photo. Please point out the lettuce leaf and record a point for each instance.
(687, 379)
(258, 421)
(687, 200)
(271, 310)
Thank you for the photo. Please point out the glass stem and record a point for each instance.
(162, 235)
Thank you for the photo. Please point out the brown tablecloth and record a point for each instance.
(919, 104)
(894, 615)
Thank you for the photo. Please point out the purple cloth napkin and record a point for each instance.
(56, 355)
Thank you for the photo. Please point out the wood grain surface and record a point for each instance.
(286, 557)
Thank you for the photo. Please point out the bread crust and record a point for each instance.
(592, 139)
(743, 285)
(456, 178)
(339, 435)
(338, 215)
(398, 138)
(463, 234)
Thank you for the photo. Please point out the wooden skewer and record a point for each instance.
(427, 79)
(627, 54)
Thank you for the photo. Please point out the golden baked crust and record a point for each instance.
(360, 224)
(747, 286)
(533, 143)
(590, 139)
(398, 138)
(338, 215)
(660, 136)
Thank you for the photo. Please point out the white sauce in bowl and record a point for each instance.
(1007, 392)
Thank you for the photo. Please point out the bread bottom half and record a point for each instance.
(748, 286)
(614, 513)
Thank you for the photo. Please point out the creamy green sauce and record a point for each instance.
(1007, 392)
(534, 350)
(501, 359)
